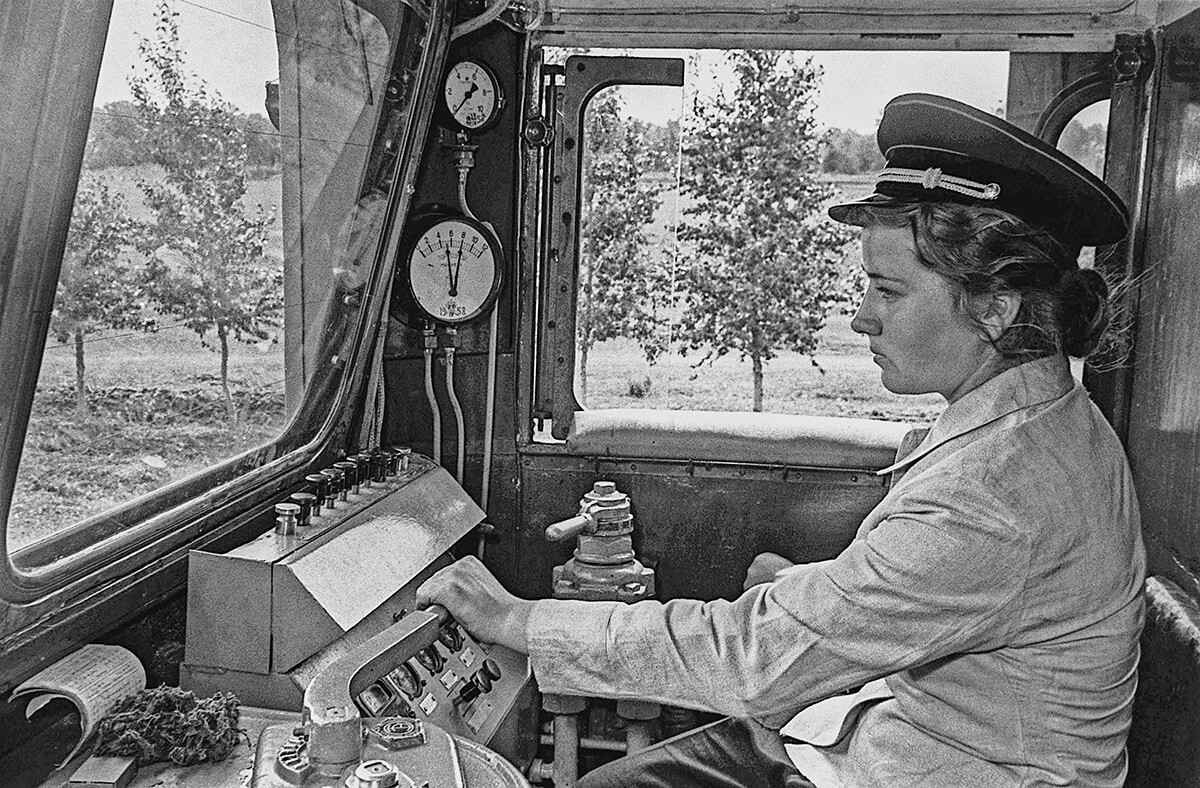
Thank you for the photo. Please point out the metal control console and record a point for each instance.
(265, 618)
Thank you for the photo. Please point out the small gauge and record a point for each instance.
(472, 95)
(431, 659)
(405, 678)
(454, 269)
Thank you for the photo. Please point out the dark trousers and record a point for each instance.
(729, 753)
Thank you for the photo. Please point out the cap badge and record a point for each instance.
(934, 178)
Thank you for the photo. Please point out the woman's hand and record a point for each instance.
(764, 567)
(479, 603)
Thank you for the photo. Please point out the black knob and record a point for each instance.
(483, 681)
(490, 669)
(468, 693)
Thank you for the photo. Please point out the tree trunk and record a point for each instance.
(81, 405)
(756, 359)
(230, 408)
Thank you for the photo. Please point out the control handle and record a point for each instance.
(571, 527)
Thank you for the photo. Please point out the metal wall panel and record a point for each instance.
(1164, 421)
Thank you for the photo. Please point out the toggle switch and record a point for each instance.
(480, 683)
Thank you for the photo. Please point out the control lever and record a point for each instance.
(584, 522)
(334, 723)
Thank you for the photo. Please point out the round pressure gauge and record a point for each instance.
(471, 94)
(454, 269)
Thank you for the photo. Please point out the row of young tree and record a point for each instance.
(757, 268)
(199, 261)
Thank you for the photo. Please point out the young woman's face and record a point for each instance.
(921, 340)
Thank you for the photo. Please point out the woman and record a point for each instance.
(982, 628)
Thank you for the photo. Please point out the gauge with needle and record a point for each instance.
(472, 95)
(453, 269)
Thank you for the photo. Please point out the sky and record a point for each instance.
(855, 86)
(230, 43)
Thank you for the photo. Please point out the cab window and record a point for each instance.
(709, 276)
(232, 198)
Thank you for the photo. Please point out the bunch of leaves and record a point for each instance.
(170, 724)
(766, 267)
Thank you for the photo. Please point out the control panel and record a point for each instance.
(338, 742)
(457, 682)
(340, 567)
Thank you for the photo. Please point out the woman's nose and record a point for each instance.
(863, 322)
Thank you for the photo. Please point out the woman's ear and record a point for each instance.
(997, 312)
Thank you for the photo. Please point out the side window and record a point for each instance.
(165, 351)
(709, 275)
(1085, 139)
(220, 258)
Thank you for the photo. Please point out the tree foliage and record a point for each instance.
(620, 282)
(117, 138)
(765, 265)
(208, 266)
(101, 285)
(847, 152)
(1086, 144)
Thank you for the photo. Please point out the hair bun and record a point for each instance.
(1085, 310)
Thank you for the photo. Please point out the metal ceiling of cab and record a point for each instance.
(1013, 25)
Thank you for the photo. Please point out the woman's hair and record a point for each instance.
(984, 251)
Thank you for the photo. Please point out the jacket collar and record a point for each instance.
(1024, 386)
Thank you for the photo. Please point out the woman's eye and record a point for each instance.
(886, 292)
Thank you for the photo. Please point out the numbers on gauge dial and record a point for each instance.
(472, 95)
(453, 270)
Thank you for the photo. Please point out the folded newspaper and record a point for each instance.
(93, 678)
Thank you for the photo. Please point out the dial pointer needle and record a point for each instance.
(450, 274)
(457, 269)
(470, 92)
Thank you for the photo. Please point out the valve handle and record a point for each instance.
(571, 527)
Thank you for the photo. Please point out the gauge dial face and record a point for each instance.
(472, 94)
(454, 270)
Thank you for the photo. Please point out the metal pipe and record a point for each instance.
(458, 415)
(592, 743)
(429, 394)
(638, 735)
(566, 750)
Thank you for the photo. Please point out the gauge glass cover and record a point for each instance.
(472, 94)
(454, 270)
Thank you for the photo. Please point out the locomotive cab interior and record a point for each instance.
(421, 389)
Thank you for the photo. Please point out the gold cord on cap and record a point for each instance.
(934, 178)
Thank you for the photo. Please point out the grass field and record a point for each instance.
(846, 382)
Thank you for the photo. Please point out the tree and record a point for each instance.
(766, 264)
(1086, 144)
(100, 286)
(848, 152)
(209, 268)
(619, 277)
(115, 137)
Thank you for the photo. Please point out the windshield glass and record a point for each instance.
(227, 218)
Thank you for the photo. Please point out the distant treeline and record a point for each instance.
(843, 151)
(117, 138)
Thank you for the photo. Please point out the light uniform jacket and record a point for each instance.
(997, 590)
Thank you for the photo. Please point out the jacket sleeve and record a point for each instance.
(935, 578)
